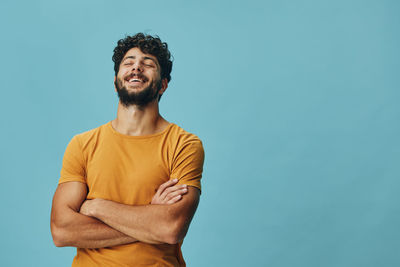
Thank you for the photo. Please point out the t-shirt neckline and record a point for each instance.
(111, 128)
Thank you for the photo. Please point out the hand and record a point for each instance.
(169, 193)
(88, 206)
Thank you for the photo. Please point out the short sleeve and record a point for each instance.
(188, 164)
(73, 166)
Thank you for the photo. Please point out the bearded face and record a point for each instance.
(132, 94)
(138, 81)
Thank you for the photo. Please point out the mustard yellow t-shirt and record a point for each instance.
(129, 169)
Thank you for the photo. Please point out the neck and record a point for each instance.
(138, 120)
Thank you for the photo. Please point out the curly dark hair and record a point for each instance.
(149, 45)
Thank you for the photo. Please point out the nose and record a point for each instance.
(137, 67)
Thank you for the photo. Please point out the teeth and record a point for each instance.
(135, 80)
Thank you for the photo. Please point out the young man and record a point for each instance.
(129, 188)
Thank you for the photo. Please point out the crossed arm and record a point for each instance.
(99, 223)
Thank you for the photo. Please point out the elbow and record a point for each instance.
(175, 234)
(172, 240)
(58, 242)
(59, 236)
(58, 239)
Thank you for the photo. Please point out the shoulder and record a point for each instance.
(185, 143)
(183, 137)
(89, 137)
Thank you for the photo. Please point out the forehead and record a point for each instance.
(137, 53)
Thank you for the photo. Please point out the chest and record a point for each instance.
(127, 172)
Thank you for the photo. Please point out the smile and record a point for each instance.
(135, 80)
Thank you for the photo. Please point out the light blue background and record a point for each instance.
(297, 103)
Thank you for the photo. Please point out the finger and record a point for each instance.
(165, 185)
(171, 195)
(172, 189)
(174, 200)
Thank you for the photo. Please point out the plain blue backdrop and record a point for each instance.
(297, 104)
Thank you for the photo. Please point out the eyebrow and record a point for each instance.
(133, 57)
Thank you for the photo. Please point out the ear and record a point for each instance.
(164, 86)
(115, 79)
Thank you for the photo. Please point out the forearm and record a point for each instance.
(148, 223)
(72, 225)
(78, 230)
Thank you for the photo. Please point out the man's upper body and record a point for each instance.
(129, 188)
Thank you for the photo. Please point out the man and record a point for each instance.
(129, 188)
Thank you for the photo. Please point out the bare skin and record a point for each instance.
(102, 223)
(71, 228)
(152, 224)
(139, 120)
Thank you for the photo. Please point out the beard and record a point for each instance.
(141, 98)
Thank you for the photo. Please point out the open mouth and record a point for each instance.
(135, 80)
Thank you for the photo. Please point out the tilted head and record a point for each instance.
(149, 45)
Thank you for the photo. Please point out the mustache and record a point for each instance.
(138, 76)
